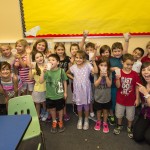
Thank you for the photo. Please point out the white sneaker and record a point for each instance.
(86, 125)
(79, 124)
(44, 118)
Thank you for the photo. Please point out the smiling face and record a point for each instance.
(106, 53)
(39, 58)
(127, 66)
(60, 51)
(73, 50)
(6, 51)
(79, 59)
(117, 52)
(5, 71)
(20, 48)
(41, 47)
(137, 54)
(89, 50)
(146, 74)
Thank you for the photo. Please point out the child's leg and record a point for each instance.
(37, 105)
(130, 113)
(86, 120)
(120, 109)
(79, 109)
(105, 115)
(105, 124)
(53, 113)
(30, 88)
(60, 112)
(99, 112)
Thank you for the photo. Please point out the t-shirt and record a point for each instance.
(54, 83)
(38, 87)
(145, 59)
(102, 93)
(126, 94)
(64, 64)
(137, 66)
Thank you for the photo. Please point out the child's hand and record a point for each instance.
(17, 56)
(118, 77)
(136, 103)
(65, 95)
(142, 89)
(85, 33)
(48, 54)
(97, 46)
(72, 60)
(28, 50)
(45, 68)
(127, 36)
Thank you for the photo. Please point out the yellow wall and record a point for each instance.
(11, 29)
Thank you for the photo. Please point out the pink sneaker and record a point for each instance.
(105, 127)
(97, 126)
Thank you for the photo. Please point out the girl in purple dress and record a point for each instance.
(80, 73)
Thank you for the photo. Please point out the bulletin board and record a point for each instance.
(51, 18)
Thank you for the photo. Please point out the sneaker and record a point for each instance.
(54, 127)
(97, 126)
(86, 125)
(92, 114)
(66, 117)
(105, 127)
(111, 120)
(44, 118)
(118, 129)
(61, 127)
(130, 133)
(79, 124)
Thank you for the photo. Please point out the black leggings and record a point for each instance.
(141, 130)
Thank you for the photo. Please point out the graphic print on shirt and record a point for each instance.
(60, 87)
(126, 86)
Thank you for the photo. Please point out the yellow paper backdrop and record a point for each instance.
(97, 16)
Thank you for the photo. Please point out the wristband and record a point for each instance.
(147, 96)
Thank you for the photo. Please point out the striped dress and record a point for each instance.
(8, 87)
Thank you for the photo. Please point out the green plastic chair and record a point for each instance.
(25, 105)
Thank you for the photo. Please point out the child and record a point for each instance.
(102, 95)
(7, 55)
(38, 93)
(9, 82)
(56, 91)
(141, 128)
(59, 49)
(21, 65)
(104, 51)
(137, 55)
(127, 94)
(115, 63)
(147, 57)
(41, 45)
(79, 73)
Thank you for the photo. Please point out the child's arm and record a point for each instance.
(108, 81)
(81, 44)
(114, 68)
(95, 68)
(41, 79)
(127, 37)
(31, 75)
(15, 82)
(65, 89)
(28, 51)
(20, 61)
(118, 81)
(69, 75)
(137, 101)
(98, 81)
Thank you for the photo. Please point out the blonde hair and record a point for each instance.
(23, 42)
(7, 45)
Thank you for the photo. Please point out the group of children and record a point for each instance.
(106, 83)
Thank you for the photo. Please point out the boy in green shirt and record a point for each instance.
(56, 90)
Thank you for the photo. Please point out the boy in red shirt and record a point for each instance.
(127, 94)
